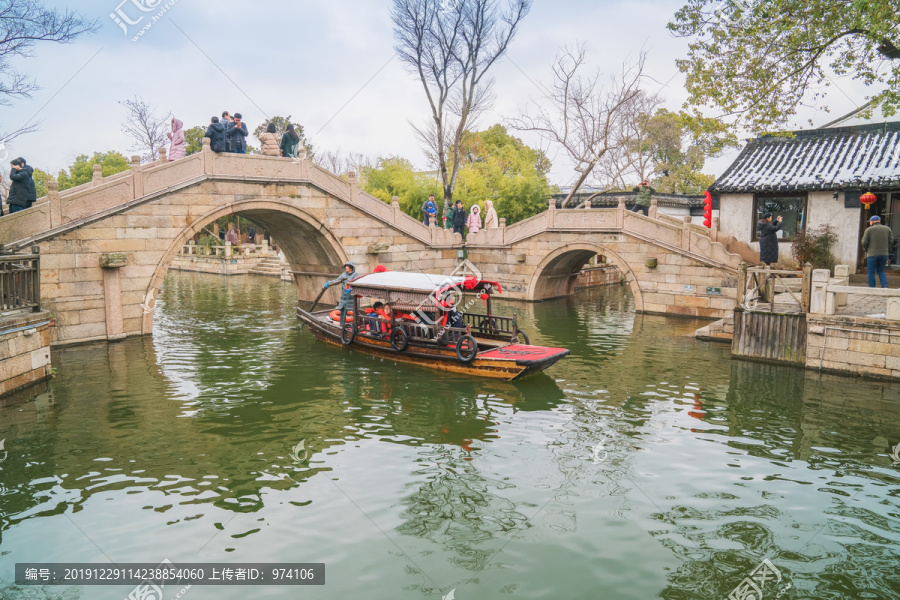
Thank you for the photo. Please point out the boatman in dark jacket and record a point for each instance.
(877, 242)
(459, 218)
(768, 241)
(344, 279)
(22, 192)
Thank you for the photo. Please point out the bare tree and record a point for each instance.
(145, 126)
(451, 45)
(338, 162)
(631, 160)
(587, 118)
(23, 23)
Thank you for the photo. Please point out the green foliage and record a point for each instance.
(493, 166)
(281, 124)
(499, 167)
(761, 62)
(814, 247)
(395, 176)
(82, 170)
(678, 144)
(40, 182)
(193, 140)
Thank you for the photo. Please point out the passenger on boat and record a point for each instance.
(378, 311)
(346, 301)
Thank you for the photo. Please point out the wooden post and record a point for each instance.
(806, 288)
(742, 282)
(36, 279)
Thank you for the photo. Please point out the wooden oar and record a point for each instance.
(315, 302)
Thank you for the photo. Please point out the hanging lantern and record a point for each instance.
(868, 199)
(485, 297)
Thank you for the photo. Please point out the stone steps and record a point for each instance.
(270, 266)
(717, 331)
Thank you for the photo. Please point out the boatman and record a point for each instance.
(346, 301)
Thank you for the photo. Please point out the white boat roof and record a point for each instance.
(404, 280)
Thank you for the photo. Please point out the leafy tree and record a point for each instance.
(395, 176)
(760, 62)
(499, 167)
(281, 124)
(677, 145)
(23, 23)
(493, 166)
(40, 182)
(193, 140)
(82, 170)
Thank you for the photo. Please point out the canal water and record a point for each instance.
(645, 465)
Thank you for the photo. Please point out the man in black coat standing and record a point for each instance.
(22, 192)
(236, 132)
(768, 241)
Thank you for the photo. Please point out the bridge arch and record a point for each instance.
(308, 246)
(555, 275)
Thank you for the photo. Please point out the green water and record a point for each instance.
(645, 465)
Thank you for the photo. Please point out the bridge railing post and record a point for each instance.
(207, 155)
(162, 155)
(620, 212)
(97, 178)
(654, 208)
(551, 213)
(686, 234)
(137, 178)
(55, 203)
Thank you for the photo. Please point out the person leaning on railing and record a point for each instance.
(22, 192)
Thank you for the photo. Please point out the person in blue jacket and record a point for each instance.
(346, 301)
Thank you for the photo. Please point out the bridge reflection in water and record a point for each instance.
(648, 464)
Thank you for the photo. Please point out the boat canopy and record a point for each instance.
(404, 287)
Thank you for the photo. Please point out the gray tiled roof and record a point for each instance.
(825, 159)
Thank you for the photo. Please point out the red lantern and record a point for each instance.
(707, 209)
(484, 298)
(470, 282)
(868, 199)
(380, 269)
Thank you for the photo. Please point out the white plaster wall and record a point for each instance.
(736, 217)
(823, 209)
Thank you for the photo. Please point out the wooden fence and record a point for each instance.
(20, 281)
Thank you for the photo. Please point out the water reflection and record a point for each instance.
(644, 465)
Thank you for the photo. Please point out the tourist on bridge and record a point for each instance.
(290, 143)
(448, 214)
(346, 301)
(430, 210)
(236, 135)
(491, 220)
(642, 201)
(459, 218)
(216, 134)
(231, 236)
(270, 141)
(474, 220)
(768, 241)
(877, 242)
(176, 136)
(22, 192)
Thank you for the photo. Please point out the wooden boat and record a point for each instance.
(415, 330)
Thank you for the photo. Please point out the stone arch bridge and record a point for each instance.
(106, 245)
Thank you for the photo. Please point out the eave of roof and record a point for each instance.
(863, 156)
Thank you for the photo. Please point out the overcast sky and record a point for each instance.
(328, 64)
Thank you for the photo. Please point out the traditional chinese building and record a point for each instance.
(813, 178)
